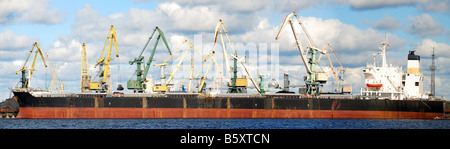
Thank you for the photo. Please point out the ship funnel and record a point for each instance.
(413, 66)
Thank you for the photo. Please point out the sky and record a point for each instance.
(354, 28)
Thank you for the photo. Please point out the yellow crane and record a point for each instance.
(26, 82)
(105, 73)
(85, 76)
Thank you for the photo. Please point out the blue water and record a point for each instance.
(221, 124)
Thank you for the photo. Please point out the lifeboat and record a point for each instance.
(374, 85)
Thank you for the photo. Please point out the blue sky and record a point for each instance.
(354, 28)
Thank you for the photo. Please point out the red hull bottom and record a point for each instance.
(117, 113)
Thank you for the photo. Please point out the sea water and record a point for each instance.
(222, 124)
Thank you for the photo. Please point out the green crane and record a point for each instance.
(315, 78)
(137, 85)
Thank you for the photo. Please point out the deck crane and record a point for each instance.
(85, 76)
(315, 78)
(137, 85)
(104, 72)
(26, 82)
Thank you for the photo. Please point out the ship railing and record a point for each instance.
(367, 94)
(140, 95)
(238, 95)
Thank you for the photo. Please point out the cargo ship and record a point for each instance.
(381, 104)
(186, 105)
(383, 97)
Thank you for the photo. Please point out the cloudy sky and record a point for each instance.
(353, 27)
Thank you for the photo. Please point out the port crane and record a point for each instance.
(24, 81)
(104, 71)
(141, 76)
(164, 87)
(236, 85)
(315, 78)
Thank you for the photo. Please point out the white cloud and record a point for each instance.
(374, 4)
(294, 5)
(66, 50)
(11, 41)
(424, 5)
(424, 48)
(388, 23)
(35, 11)
(14, 46)
(187, 19)
(436, 6)
(423, 26)
(343, 37)
(233, 6)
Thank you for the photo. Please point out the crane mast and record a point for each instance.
(433, 74)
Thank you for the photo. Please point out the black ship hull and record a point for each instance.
(230, 106)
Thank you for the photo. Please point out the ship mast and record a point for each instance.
(433, 75)
(383, 50)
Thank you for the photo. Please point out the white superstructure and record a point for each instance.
(389, 82)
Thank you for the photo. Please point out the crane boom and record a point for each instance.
(288, 19)
(213, 59)
(161, 35)
(112, 37)
(304, 30)
(220, 28)
(177, 67)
